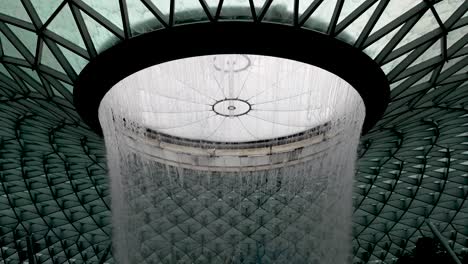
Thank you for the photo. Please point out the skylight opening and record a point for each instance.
(233, 98)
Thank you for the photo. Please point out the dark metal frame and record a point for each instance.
(143, 51)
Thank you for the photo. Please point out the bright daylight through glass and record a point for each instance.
(231, 98)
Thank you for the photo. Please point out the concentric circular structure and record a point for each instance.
(231, 107)
(194, 98)
(412, 168)
(347, 63)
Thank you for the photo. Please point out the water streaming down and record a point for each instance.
(231, 159)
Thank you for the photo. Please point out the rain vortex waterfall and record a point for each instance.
(269, 201)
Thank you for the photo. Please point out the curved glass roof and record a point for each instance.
(54, 197)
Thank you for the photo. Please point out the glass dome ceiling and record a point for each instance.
(413, 165)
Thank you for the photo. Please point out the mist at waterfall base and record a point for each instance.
(181, 195)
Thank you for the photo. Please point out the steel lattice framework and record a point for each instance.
(413, 166)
